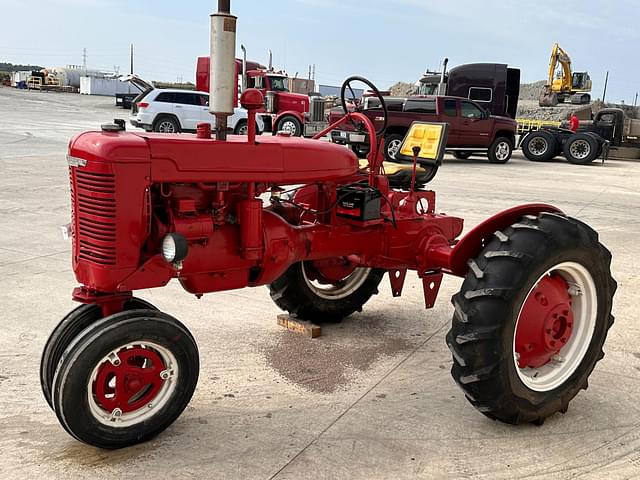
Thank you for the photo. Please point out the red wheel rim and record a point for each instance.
(546, 322)
(129, 380)
(330, 271)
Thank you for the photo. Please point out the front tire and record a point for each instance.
(361, 150)
(392, 144)
(289, 124)
(68, 329)
(500, 150)
(125, 378)
(323, 294)
(531, 318)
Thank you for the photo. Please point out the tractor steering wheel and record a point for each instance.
(347, 85)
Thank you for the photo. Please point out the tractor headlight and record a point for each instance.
(174, 247)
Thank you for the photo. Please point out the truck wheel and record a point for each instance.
(581, 148)
(166, 124)
(392, 144)
(290, 124)
(325, 293)
(68, 328)
(125, 378)
(539, 146)
(360, 150)
(241, 128)
(500, 150)
(531, 318)
(462, 155)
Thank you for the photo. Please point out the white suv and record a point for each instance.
(173, 111)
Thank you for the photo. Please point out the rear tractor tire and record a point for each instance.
(125, 378)
(324, 294)
(531, 318)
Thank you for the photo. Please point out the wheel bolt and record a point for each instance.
(574, 290)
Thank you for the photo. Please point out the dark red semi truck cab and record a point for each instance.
(283, 109)
(495, 86)
(472, 129)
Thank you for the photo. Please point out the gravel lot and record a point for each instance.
(372, 398)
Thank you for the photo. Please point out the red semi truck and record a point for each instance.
(283, 110)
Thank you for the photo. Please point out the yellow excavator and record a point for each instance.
(563, 84)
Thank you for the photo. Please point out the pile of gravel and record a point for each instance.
(403, 89)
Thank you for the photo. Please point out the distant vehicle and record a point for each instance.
(472, 129)
(610, 129)
(563, 83)
(172, 111)
(283, 111)
(495, 86)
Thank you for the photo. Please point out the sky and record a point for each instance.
(385, 41)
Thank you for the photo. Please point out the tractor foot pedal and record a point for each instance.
(299, 326)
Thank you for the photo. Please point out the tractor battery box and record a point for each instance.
(359, 202)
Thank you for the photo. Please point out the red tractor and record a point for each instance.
(529, 321)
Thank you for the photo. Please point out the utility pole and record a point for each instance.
(131, 60)
(635, 100)
(84, 59)
(604, 93)
(313, 74)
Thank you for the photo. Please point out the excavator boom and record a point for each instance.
(565, 85)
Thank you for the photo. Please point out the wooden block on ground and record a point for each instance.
(299, 326)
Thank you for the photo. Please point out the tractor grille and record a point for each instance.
(93, 196)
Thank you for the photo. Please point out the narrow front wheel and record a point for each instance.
(66, 331)
(125, 378)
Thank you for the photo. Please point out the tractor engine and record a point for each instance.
(148, 208)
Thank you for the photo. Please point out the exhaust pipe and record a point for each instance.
(270, 61)
(222, 73)
(244, 68)
(442, 88)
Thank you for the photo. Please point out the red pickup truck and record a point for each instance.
(471, 128)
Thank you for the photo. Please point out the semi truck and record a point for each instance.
(283, 110)
(495, 86)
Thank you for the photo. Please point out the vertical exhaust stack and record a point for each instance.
(244, 68)
(270, 61)
(222, 75)
(442, 88)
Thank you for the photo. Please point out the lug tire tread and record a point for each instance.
(475, 338)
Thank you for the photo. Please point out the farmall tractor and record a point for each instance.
(529, 322)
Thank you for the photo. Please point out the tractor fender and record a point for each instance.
(475, 240)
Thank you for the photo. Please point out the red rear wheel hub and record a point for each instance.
(330, 271)
(130, 381)
(545, 323)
